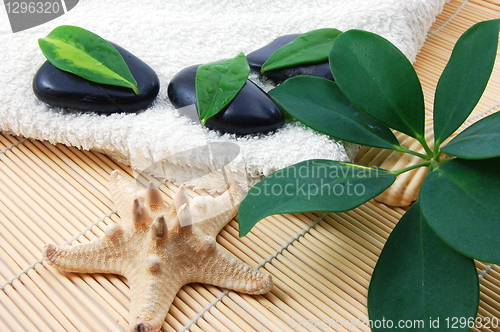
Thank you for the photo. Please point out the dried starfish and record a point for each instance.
(160, 248)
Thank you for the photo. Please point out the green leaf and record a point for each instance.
(87, 55)
(479, 141)
(218, 83)
(379, 80)
(320, 104)
(464, 78)
(310, 47)
(419, 280)
(461, 202)
(312, 185)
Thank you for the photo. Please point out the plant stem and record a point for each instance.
(436, 149)
(434, 164)
(415, 153)
(438, 160)
(409, 168)
(426, 146)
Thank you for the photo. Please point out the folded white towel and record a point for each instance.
(171, 35)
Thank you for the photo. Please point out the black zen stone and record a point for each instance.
(257, 58)
(252, 111)
(63, 89)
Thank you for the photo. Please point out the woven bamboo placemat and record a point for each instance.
(321, 263)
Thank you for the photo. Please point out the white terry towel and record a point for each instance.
(171, 35)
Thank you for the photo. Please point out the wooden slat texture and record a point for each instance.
(321, 263)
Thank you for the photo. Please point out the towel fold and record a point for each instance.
(171, 35)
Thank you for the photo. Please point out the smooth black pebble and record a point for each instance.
(63, 89)
(252, 111)
(257, 58)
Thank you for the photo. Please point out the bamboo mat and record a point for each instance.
(321, 263)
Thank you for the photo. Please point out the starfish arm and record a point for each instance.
(211, 214)
(98, 256)
(223, 269)
(123, 193)
(151, 295)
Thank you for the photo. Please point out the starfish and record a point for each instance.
(160, 248)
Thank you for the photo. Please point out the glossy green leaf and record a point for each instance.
(461, 202)
(217, 84)
(379, 80)
(479, 141)
(320, 104)
(87, 55)
(464, 78)
(420, 282)
(312, 185)
(310, 47)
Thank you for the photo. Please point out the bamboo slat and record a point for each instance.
(321, 263)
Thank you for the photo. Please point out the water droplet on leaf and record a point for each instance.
(221, 68)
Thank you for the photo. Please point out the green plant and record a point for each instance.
(217, 83)
(310, 47)
(83, 53)
(426, 268)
